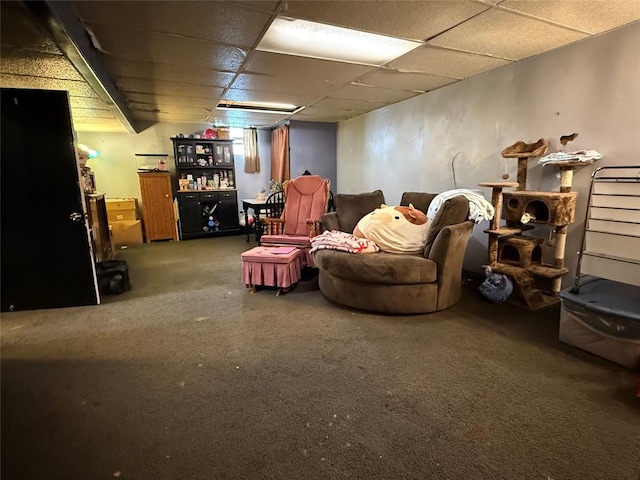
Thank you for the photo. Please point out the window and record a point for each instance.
(236, 135)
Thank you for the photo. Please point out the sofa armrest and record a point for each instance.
(330, 221)
(448, 252)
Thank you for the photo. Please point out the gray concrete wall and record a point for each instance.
(591, 87)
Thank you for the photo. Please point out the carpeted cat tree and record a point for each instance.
(517, 255)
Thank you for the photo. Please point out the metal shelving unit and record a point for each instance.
(610, 246)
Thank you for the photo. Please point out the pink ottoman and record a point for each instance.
(272, 266)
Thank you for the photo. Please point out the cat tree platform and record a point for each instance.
(523, 151)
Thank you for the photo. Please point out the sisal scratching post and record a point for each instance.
(566, 179)
(496, 201)
(558, 258)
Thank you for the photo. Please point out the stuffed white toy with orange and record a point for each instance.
(395, 229)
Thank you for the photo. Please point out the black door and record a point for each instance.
(46, 258)
(228, 210)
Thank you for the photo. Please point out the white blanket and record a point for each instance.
(345, 242)
(576, 156)
(479, 208)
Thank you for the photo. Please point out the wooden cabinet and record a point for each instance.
(157, 206)
(205, 187)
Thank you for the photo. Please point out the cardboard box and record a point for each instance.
(122, 209)
(127, 232)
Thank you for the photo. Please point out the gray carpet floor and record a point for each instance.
(190, 376)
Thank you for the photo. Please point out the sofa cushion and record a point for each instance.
(352, 207)
(419, 200)
(379, 268)
(453, 211)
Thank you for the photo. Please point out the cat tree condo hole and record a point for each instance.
(553, 208)
(521, 251)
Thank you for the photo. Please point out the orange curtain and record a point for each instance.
(280, 154)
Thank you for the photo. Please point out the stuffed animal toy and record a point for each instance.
(395, 229)
(496, 287)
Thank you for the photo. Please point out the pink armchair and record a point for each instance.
(305, 201)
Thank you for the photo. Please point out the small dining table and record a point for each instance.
(259, 207)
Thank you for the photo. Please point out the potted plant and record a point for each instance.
(275, 186)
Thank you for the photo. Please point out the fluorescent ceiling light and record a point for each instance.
(317, 40)
(258, 107)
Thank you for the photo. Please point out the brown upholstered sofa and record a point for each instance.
(396, 283)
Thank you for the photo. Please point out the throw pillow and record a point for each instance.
(395, 229)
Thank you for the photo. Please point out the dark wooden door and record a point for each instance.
(46, 258)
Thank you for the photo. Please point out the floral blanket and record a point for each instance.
(345, 242)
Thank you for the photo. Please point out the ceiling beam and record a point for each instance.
(65, 29)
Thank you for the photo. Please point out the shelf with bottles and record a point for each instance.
(209, 179)
(203, 153)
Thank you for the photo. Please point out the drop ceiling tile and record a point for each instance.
(110, 127)
(355, 92)
(503, 34)
(88, 103)
(139, 85)
(250, 118)
(446, 63)
(414, 20)
(388, 78)
(157, 48)
(264, 5)
(17, 29)
(268, 83)
(87, 113)
(37, 64)
(97, 121)
(235, 95)
(75, 89)
(172, 73)
(593, 16)
(304, 69)
(325, 114)
(345, 104)
(319, 118)
(213, 21)
(167, 117)
(169, 109)
(153, 99)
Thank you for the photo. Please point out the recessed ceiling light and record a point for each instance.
(316, 40)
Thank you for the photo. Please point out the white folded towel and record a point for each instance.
(479, 208)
